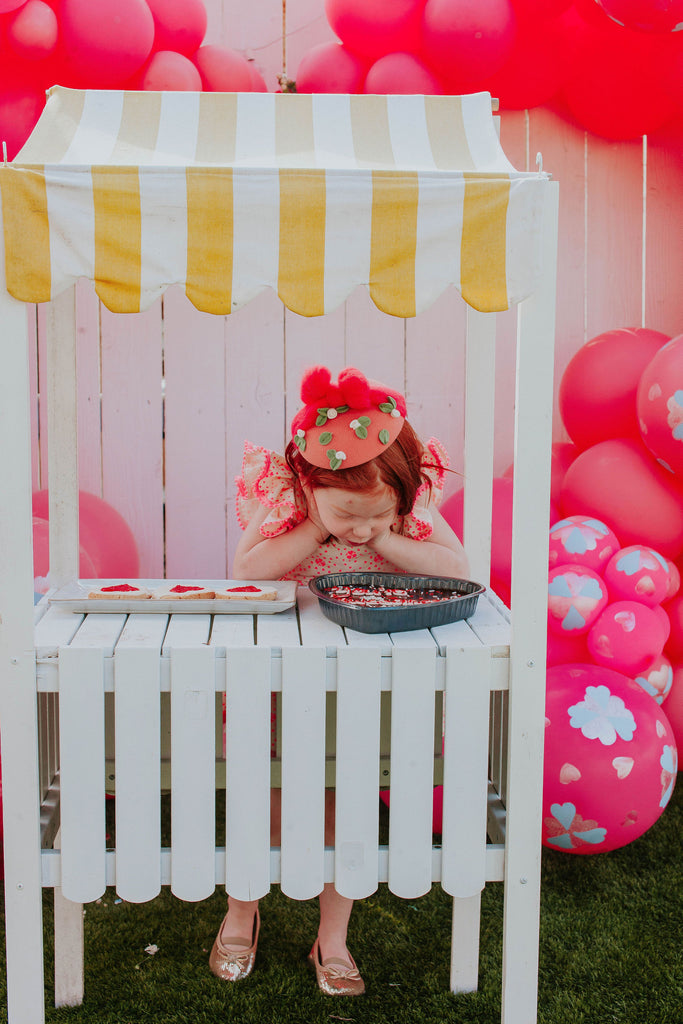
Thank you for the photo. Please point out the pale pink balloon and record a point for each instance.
(331, 67)
(401, 73)
(179, 25)
(33, 31)
(372, 28)
(466, 41)
(105, 43)
(168, 71)
(222, 69)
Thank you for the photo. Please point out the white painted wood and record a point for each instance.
(81, 748)
(100, 631)
(412, 771)
(278, 631)
(527, 655)
(465, 771)
(63, 433)
(357, 807)
(56, 629)
(479, 433)
(316, 629)
(303, 772)
(231, 631)
(247, 771)
(465, 927)
(137, 759)
(186, 631)
(23, 896)
(193, 770)
(69, 947)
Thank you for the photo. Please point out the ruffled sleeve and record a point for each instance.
(418, 523)
(268, 482)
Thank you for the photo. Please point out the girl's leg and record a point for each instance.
(335, 911)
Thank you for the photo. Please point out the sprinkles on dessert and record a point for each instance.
(384, 597)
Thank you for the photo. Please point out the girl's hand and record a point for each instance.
(314, 514)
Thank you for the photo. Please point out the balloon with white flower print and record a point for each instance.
(576, 596)
(657, 679)
(627, 636)
(638, 573)
(610, 760)
(582, 540)
(659, 404)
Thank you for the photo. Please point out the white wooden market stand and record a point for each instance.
(312, 196)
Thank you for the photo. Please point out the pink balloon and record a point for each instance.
(540, 61)
(32, 32)
(616, 89)
(540, 10)
(659, 404)
(619, 483)
(331, 67)
(597, 396)
(562, 455)
(674, 703)
(179, 25)
(41, 557)
(637, 573)
(581, 540)
(258, 82)
(501, 541)
(467, 41)
(645, 15)
(223, 70)
(401, 73)
(104, 43)
(20, 108)
(674, 580)
(372, 28)
(610, 760)
(576, 597)
(103, 533)
(664, 622)
(674, 645)
(168, 71)
(627, 637)
(10, 5)
(563, 649)
(657, 679)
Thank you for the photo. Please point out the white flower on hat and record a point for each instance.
(300, 433)
(395, 413)
(354, 423)
(331, 413)
(340, 455)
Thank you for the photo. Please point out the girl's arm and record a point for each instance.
(441, 555)
(268, 558)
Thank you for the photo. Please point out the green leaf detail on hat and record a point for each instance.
(388, 406)
(335, 463)
(325, 437)
(300, 442)
(329, 413)
(384, 436)
(361, 430)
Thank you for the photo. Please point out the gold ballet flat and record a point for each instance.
(336, 977)
(234, 964)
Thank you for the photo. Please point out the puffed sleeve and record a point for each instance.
(418, 523)
(268, 482)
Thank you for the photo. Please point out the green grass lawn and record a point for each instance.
(611, 951)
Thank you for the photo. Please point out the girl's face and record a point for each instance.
(356, 517)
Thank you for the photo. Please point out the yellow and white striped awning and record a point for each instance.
(229, 194)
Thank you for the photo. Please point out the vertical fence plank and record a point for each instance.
(664, 238)
(137, 756)
(357, 810)
(89, 412)
(412, 771)
(247, 772)
(193, 828)
(303, 772)
(81, 735)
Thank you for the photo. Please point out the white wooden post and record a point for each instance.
(480, 372)
(18, 697)
(531, 504)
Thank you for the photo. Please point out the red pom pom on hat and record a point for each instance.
(315, 384)
(354, 387)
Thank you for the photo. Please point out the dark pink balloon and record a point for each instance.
(103, 533)
(540, 10)
(401, 73)
(222, 69)
(32, 32)
(10, 5)
(331, 67)
(372, 28)
(20, 108)
(645, 15)
(168, 71)
(104, 43)
(466, 41)
(179, 25)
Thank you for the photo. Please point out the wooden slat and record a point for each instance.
(316, 629)
(56, 629)
(247, 769)
(81, 728)
(231, 631)
(186, 631)
(192, 771)
(479, 434)
(137, 671)
(357, 809)
(278, 631)
(412, 771)
(303, 772)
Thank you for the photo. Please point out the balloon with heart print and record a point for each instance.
(659, 404)
(576, 596)
(638, 573)
(627, 636)
(610, 760)
(657, 679)
(581, 540)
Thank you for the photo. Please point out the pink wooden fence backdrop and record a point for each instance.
(167, 397)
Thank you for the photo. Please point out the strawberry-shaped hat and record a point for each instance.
(347, 423)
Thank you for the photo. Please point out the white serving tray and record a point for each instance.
(74, 597)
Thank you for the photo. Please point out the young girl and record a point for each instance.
(356, 491)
